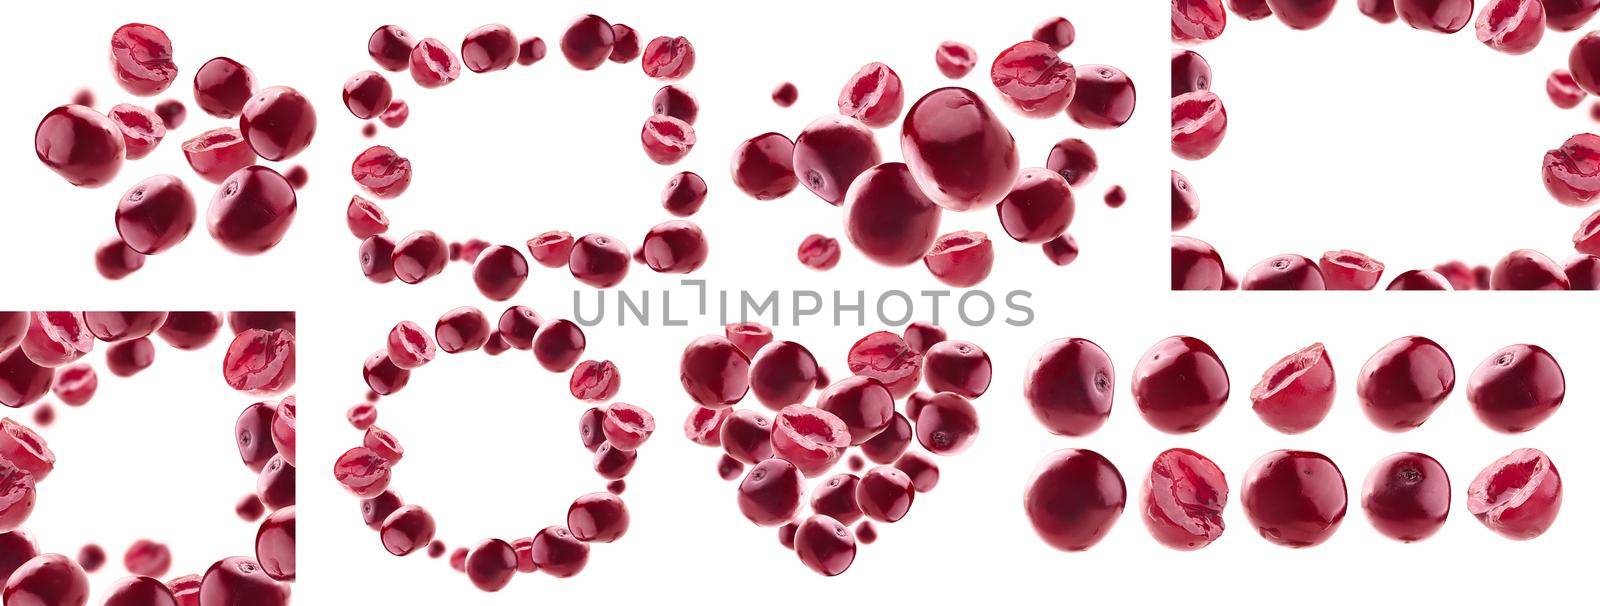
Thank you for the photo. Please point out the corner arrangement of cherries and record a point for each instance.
(1293, 498)
(42, 352)
(612, 430)
(1571, 172)
(253, 206)
(893, 208)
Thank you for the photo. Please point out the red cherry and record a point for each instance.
(1518, 495)
(1302, 14)
(81, 145)
(1284, 272)
(770, 493)
(48, 580)
(1180, 385)
(825, 545)
(763, 166)
(1074, 498)
(1195, 265)
(1199, 122)
(1517, 388)
(1513, 27)
(958, 151)
(1184, 495)
(874, 95)
(1294, 498)
(1349, 270)
(1402, 384)
(1407, 496)
(1105, 98)
(1297, 392)
(223, 86)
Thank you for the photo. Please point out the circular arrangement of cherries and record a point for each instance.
(44, 351)
(1293, 498)
(1571, 172)
(805, 442)
(253, 206)
(613, 431)
(958, 157)
(499, 271)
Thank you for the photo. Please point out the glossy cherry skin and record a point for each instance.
(557, 553)
(22, 381)
(253, 435)
(223, 86)
(406, 529)
(959, 152)
(885, 494)
(1185, 203)
(714, 372)
(240, 581)
(139, 591)
(1402, 384)
(141, 59)
(1190, 72)
(1349, 270)
(958, 367)
(874, 95)
(1583, 271)
(863, 404)
(113, 326)
(155, 215)
(491, 565)
(489, 48)
(529, 52)
(1529, 270)
(1518, 496)
(889, 444)
(275, 485)
(190, 330)
(1105, 98)
(278, 123)
(1069, 385)
(1443, 16)
(746, 436)
(599, 261)
(1195, 265)
(1420, 279)
(831, 152)
(376, 255)
(252, 210)
(825, 545)
(888, 218)
(954, 59)
(1033, 79)
(1381, 11)
(275, 541)
(1074, 160)
(675, 247)
(1568, 15)
(1572, 172)
(78, 143)
(1180, 385)
(48, 580)
(500, 272)
(390, 47)
(1301, 14)
(1184, 495)
(1199, 122)
(1250, 10)
(763, 166)
(419, 256)
(946, 423)
(1195, 21)
(1517, 388)
(676, 101)
(770, 493)
(1061, 251)
(16, 548)
(558, 345)
(684, 194)
(1284, 272)
(783, 373)
(625, 44)
(1513, 27)
(1407, 496)
(1039, 208)
(587, 42)
(1297, 392)
(115, 261)
(129, 358)
(1074, 498)
(1294, 498)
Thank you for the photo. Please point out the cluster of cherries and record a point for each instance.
(1293, 498)
(958, 156)
(806, 441)
(253, 206)
(1571, 173)
(601, 261)
(612, 430)
(41, 351)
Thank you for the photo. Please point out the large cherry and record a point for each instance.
(1517, 388)
(1407, 496)
(888, 217)
(959, 152)
(1294, 498)
(1074, 498)
(1402, 384)
(1180, 385)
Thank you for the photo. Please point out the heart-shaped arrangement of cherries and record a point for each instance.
(499, 271)
(44, 351)
(253, 206)
(803, 443)
(1571, 172)
(613, 431)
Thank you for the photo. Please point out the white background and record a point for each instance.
(491, 442)
(1416, 148)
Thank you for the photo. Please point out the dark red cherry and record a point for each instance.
(684, 194)
(613, 463)
(874, 95)
(1294, 498)
(558, 345)
(139, 591)
(1583, 271)
(1184, 495)
(155, 215)
(115, 261)
(48, 580)
(625, 45)
(1185, 203)
(770, 493)
(22, 381)
(531, 51)
(1517, 388)
(383, 376)
(1296, 393)
(1070, 384)
(367, 94)
(16, 548)
(1443, 16)
(128, 358)
(420, 256)
(142, 130)
(835, 497)
(376, 510)
(390, 47)
(920, 336)
(1349, 270)
(785, 94)
(1381, 11)
(461, 330)
(599, 517)
(240, 581)
(961, 259)
(433, 64)
(489, 48)
(811, 438)
(924, 473)
(958, 367)
(217, 154)
(275, 485)
(1301, 14)
(1074, 160)
(275, 542)
(888, 218)
(223, 86)
(251, 211)
(552, 248)
(890, 443)
(1199, 122)
(113, 326)
(1420, 279)
(587, 42)
(599, 261)
(141, 59)
(676, 101)
(946, 423)
(831, 152)
(1190, 72)
(1195, 21)
(675, 247)
(1039, 208)
(1033, 79)
(278, 123)
(885, 494)
(376, 255)
(1529, 270)
(1513, 27)
(78, 143)
(1056, 32)
(825, 545)
(746, 436)
(190, 330)
(1284, 272)
(1402, 384)
(1250, 10)
(954, 59)
(1518, 495)
(783, 373)
(714, 372)
(958, 151)
(500, 272)
(864, 405)
(763, 166)
(1568, 15)
(667, 58)
(1180, 385)
(557, 553)
(1105, 98)
(1572, 172)
(491, 565)
(1195, 265)
(1407, 496)
(1074, 498)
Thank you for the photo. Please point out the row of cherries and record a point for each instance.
(1292, 498)
(597, 260)
(253, 206)
(614, 432)
(33, 345)
(1199, 122)
(806, 441)
(1180, 385)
